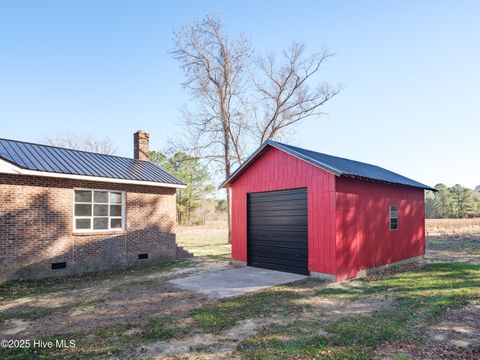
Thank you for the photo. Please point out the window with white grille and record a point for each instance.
(393, 217)
(98, 210)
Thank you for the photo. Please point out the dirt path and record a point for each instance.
(453, 248)
(450, 334)
(132, 299)
(223, 345)
(136, 299)
(455, 335)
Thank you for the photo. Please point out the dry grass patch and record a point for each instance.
(209, 240)
(137, 314)
(452, 226)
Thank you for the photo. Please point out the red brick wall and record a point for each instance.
(36, 228)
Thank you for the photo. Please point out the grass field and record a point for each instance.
(205, 240)
(452, 226)
(426, 310)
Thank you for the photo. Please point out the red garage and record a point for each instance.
(305, 212)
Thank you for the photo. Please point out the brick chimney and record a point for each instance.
(140, 145)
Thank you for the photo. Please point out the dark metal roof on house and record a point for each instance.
(336, 165)
(46, 158)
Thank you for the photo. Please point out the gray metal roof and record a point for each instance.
(59, 160)
(336, 165)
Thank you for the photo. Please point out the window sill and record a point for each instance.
(99, 233)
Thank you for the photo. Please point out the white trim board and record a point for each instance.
(8, 168)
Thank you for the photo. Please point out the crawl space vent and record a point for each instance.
(59, 265)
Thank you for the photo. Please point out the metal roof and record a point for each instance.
(336, 165)
(57, 160)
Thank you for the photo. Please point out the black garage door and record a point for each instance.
(277, 235)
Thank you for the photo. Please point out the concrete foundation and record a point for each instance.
(234, 282)
(323, 276)
(238, 263)
(381, 268)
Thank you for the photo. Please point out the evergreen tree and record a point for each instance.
(430, 212)
(476, 199)
(442, 202)
(194, 174)
(454, 202)
(463, 204)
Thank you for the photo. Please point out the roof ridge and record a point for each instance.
(61, 160)
(333, 156)
(70, 149)
(337, 165)
(298, 150)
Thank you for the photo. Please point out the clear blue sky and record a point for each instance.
(411, 70)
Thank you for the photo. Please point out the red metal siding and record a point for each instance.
(277, 170)
(363, 238)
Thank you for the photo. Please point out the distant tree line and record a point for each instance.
(452, 202)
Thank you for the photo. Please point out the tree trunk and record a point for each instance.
(227, 174)
(229, 216)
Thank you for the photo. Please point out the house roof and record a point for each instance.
(336, 165)
(38, 159)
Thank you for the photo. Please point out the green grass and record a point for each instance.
(275, 347)
(209, 241)
(37, 312)
(467, 244)
(26, 313)
(32, 288)
(414, 298)
(400, 357)
(163, 329)
(100, 342)
(279, 301)
(418, 298)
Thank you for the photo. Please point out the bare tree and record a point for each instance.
(233, 100)
(82, 142)
(215, 67)
(285, 94)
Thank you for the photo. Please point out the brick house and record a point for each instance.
(65, 211)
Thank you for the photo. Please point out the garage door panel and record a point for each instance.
(283, 262)
(260, 222)
(284, 259)
(278, 196)
(295, 251)
(279, 267)
(279, 243)
(275, 260)
(278, 230)
(299, 235)
(280, 212)
(278, 205)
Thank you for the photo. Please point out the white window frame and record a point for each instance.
(92, 230)
(390, 217)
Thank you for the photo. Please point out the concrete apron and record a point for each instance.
(234, 282)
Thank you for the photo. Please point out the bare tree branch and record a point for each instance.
(229, 105)
(285, 93)
(82, 142)
(215, 67)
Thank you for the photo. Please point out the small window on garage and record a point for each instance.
(98, 210)
(393, 217)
